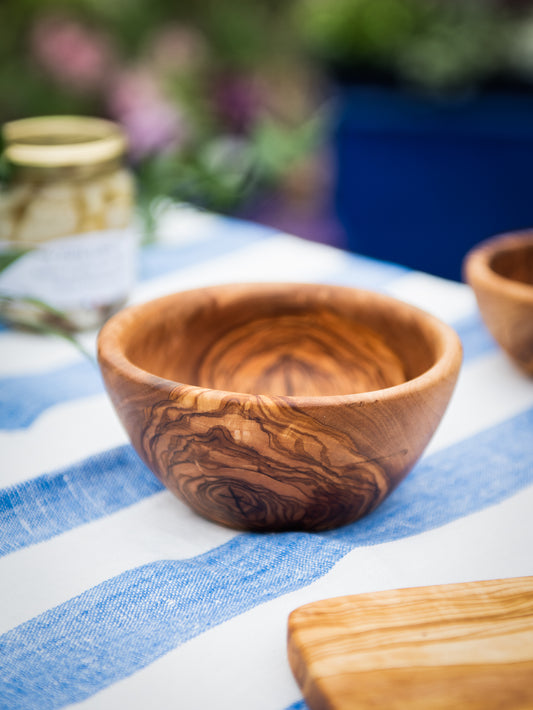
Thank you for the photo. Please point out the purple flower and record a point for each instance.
(237, 102)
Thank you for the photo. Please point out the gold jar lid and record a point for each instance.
(62, 142)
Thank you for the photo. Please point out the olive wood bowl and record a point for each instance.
(279, 406)
(500, 272)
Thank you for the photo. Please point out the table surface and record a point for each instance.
(114, 594)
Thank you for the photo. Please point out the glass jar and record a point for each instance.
(67, 247)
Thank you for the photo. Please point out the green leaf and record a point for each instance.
(9, 256)
(46, 320)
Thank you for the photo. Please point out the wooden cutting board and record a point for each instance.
(453, 646)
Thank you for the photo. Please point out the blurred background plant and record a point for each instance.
(216, 98)
(431, 46)
(433, 130)
(223, 102)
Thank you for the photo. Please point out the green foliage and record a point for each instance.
(212, 71)
(435, 45)
(226, 173)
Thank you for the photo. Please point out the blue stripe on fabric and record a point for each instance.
(36, 510)
(25, 397)
(298, 705)
(364, 272)
(228, 236)
(17, 503)
(475, 337)
(245, 227)
(112, 630)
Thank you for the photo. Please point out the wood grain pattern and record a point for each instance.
(500, 272)
(278, 406)
(452, 646)
(312, 354)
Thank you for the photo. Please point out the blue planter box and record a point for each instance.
(420, 182)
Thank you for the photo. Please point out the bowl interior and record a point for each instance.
(297, 341)
(514, 262)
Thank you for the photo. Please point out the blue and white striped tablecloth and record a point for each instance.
(113, 594)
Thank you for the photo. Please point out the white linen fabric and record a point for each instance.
(114, 594)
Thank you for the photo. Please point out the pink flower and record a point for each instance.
(71, 53)
(152, 123)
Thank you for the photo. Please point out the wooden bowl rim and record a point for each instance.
(479, 273)
(449, 362)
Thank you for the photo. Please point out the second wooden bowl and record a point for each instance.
(279, 406)
(500, 271)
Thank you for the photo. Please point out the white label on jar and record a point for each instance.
(85, 271)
